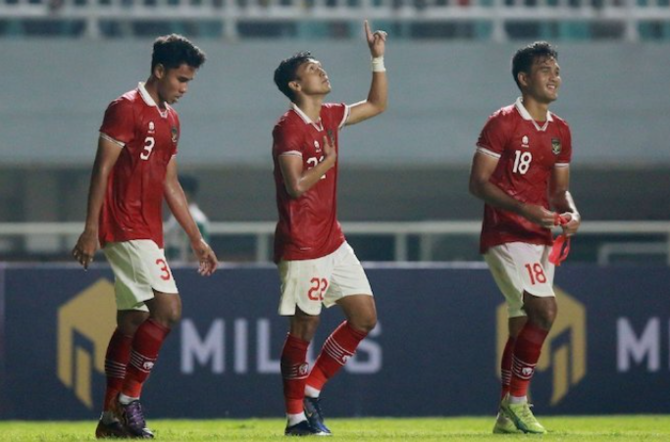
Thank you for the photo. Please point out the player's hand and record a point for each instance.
(376, 40)
(206, 257)
(538, 215)
(85, 249)
(571, 223)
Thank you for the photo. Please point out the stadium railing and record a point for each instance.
(411, 241)
(492, 19)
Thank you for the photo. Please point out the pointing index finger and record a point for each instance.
(368, 32)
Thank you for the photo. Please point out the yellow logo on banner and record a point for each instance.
(89, 315)
(566, 356)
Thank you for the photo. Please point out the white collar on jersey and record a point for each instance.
(526, 115)
(150, 101)
(305, 118)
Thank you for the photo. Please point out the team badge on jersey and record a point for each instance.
(316, 146)
(152, 127)
(175, 134)
(556, 146)
(525, 141)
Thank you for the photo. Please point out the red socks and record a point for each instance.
(147, 342)
(526, 353)
(506, 366)
(294, 371)
(116, 360)
(338, 348)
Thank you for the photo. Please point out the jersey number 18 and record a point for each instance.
(522, 162)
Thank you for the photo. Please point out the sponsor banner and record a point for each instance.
(435, 351)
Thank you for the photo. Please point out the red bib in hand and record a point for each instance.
(561, 247)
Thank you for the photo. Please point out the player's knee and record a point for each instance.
(544, 318)
(165, 309)
(173, 318)
(129, 320)
(551, 312)
(365, 323)
(368, 326)
(168, 316)
(541, 311)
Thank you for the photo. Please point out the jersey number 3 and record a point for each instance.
(165, 270)
(149, 143)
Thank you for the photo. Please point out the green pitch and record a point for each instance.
(641, 428)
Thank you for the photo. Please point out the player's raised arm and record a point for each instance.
(378, 95)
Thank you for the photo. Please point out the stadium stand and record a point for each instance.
(44, 182)
(496, 20)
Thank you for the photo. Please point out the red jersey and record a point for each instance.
(527, 152)
(148, 138)
(307, 226)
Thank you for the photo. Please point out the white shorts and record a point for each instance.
(139, 268)
(519, 267)
(307, 284)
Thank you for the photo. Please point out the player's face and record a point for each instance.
(312, 78)
(544, 80)
(173, 83)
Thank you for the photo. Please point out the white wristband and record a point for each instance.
(378, 64)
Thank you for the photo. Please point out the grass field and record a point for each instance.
(464, 429)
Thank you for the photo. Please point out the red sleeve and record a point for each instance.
(336, 114)
(566, 152)
(176, 146)
(493, 136)
(286, 139)
(119, 121)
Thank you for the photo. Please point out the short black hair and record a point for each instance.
(525, 57)
(174, 50)
(286, 72)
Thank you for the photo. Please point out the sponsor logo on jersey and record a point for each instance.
(556, 146)
(85, 324)
(564, 351)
